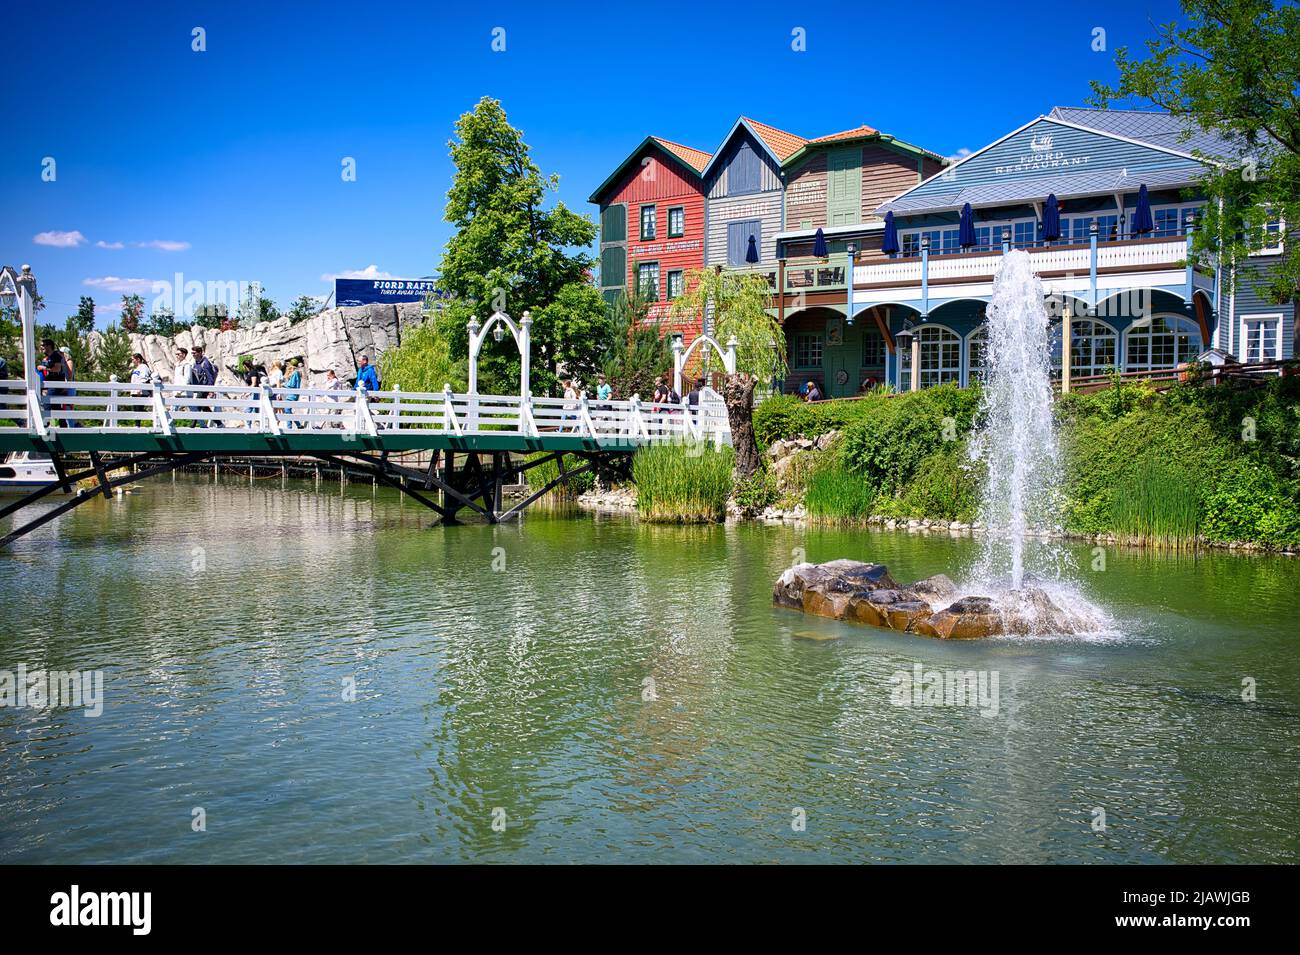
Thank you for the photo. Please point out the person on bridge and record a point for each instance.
(367, 377)
(203, 373)
(293, 381)
(693, 396)
(53, 367)
(335, 384)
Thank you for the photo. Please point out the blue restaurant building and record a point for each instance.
(1104, 202)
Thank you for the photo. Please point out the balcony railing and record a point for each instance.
(814, 275)
(1167, 253)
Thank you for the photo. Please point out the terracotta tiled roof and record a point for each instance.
(858, 132)
(783, 144)
(697, 159)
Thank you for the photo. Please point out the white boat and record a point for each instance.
(25, 471)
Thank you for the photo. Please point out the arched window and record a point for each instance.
(976, 354)
(1164, 341)
(1093, 348)
(940, 357)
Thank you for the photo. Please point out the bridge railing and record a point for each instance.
(117, 407)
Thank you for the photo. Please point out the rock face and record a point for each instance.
(334, 338)
(866, 593)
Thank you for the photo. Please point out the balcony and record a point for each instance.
(805, 275)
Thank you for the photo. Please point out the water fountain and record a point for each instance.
(1020, 583)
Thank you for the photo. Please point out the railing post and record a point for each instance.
(364, 421)
(1092, 263)
(1066, 322)
(634, 411)
(161, 421)
(394, 415)
(269, 422)
(679, 349)
(35, 417)
(527, 423)
(729, 358)
(584, 411)
(450, 424)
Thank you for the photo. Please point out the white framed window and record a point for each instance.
(1273, 241)
(1261, 337)
(940, 351)
(676, 283)
(648, 223)
(807, 351)
(676, 222)
(977, 344)
(647, 279)
(1163, 341)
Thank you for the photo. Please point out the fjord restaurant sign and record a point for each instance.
(385, 291)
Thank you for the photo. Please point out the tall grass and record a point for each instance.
(682, 483)
(1157, 503)
(837, 494)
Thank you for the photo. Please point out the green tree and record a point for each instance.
(162, 322)
(740, 303)
(422, 362)
(1233, 68)
(114, 354)
(510, 251)
(254, 308)
(303, 308)
(638, 350)
(579, 324)
(211, 316)
(132, 309)
(83, 323)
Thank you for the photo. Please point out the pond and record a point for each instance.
(303, 674)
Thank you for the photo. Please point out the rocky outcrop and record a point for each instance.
(334, 338)
(866, 593)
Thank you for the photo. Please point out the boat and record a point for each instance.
(25, 471)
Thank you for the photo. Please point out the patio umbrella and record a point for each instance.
(966, 232)
(889, 245)
(819, 246)
(1051, 219)
(1142, 223)
(751, 256)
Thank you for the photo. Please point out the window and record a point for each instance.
(676, 222)
(940, 350)
(873, 349)
(1025, 234)
(1161, 342)
(1271, 242)
(1261, 337)
(1092, 348)
(647, 223)
(676, 284)
(977, 347)
(807, 351)
(738, 234)
(647, 280)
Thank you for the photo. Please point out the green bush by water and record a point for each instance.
(682, 483)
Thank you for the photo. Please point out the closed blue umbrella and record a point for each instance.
(1052, 219)
(751, 256)
(1142, 223)
(966, 232)
(890, 244)
(819, 246)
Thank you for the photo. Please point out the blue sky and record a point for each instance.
(225, 165)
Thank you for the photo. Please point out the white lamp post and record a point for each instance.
(19, 290)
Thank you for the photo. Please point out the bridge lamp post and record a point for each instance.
(499, 323)
(17, 291)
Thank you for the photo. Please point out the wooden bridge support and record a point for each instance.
(475, 486)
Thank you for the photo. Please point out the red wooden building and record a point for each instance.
(652, 225)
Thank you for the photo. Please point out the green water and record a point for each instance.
(229, 620)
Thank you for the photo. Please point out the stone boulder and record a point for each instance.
(866, 593)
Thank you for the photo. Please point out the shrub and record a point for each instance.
(1249, 502)
(945, 487)
(837, 494)
(756, 492)
(678, 483)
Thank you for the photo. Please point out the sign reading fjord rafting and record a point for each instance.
(384, 291)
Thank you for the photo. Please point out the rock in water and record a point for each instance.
(866, 593)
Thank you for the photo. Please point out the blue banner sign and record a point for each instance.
(385, 291)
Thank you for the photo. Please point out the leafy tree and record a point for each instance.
(162, 322)
(580, 326)
(83, 323)
(255, 308)
(740, 303)
(211, 316)
(509, 251)
(638, 350)
(114, 354)
(132, 309)
(423, 362)
(1234, 68)
(303, 308)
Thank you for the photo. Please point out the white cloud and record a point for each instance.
(959, 154)
(112, 283)
(369, 272)
(59, 240)
(164, 245)
(109, 245)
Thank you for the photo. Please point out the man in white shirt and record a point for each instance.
(184, 365)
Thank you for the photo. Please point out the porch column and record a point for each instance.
(852, 256)
(1092, 265)
(780, 290)
(1065, 349)
(916, 362)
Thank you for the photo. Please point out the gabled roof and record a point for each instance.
(1154, 127)
(777, 143)
(991, 193)
(696, 158)
(692, 162)
(862, 133)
